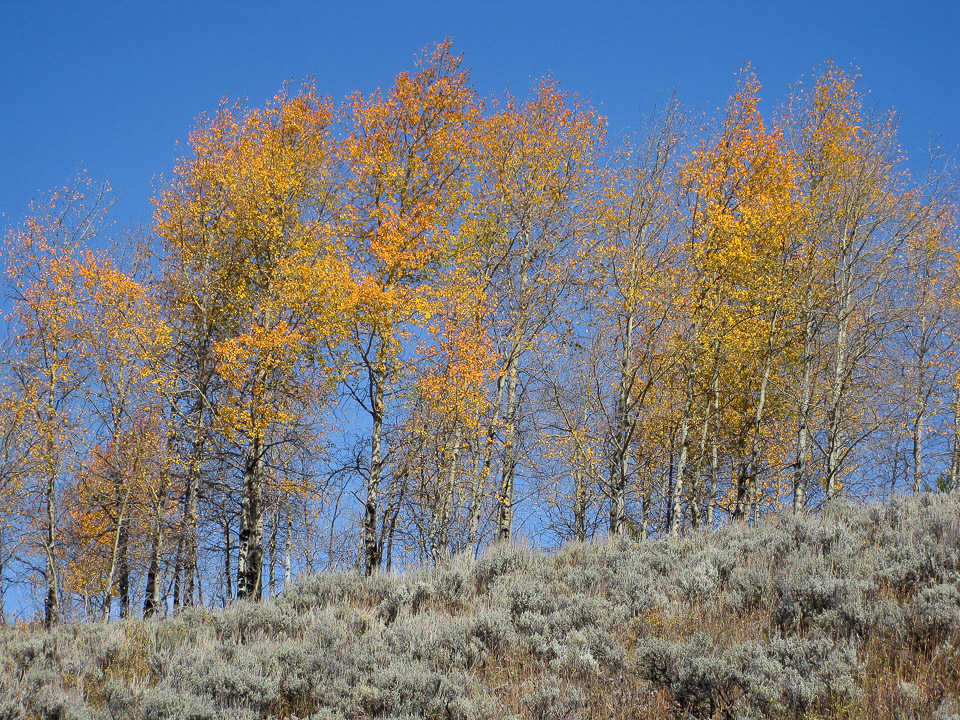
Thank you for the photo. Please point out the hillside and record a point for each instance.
(853, 614)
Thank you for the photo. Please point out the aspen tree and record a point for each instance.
(43, 281)
(250, 213)
(921, 339)
(637, 244)
(539, 161)
(407, 159)
(14, 472)
(120, 339)
(860, 211)
(746, 213)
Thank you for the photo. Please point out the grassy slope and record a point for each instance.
(855, 614)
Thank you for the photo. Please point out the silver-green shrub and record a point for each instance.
(790, 605)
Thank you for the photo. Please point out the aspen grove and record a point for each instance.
(410, 325)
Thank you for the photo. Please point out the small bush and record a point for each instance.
(248, 621)
(748, 679)
(698, 680)
(499, 561)
(809, 597)
(697, 581)
(451, 586)
(933, 615)
(747, 589)
(165, 703)
(493, 630)
(550, 700)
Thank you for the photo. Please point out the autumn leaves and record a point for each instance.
(515, 317)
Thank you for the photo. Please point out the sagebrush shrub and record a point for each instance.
(697, 581)
(697, 678)
(248, 621)
(323, 590)
(451, 585)
(493, 630)
(747, 588)
(551, 700)
(166, 703)
(748, 679)
(810, 596)
(10, 707)
(799, 617)
(498, 561)
(933, 615)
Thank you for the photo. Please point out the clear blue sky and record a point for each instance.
(112, 86)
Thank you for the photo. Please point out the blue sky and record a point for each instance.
(111, 87)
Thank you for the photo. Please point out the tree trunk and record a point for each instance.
(714, 435)
(917, 438)
(190, 534)
(272, 550)
(371, 545)
(287, 552)
(481, 472)
(671, 471)
(177, 567)
(579, 506)
(151, 593)
(676, 497)
(227, 555)
(190, 500)
(917, 430)
(747, 482)
(695, 485)
(250, 555)
(510, 452)
(618, 465)
(801, 475)
(391, 514)
(447, 476)
(835, 409)
(51, 606)
(505, 500)
(646, 501)
(3, 610)
(123, 558)
(118, 565)
(954, 474)
(123, 579)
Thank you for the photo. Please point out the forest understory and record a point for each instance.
(852, 613)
